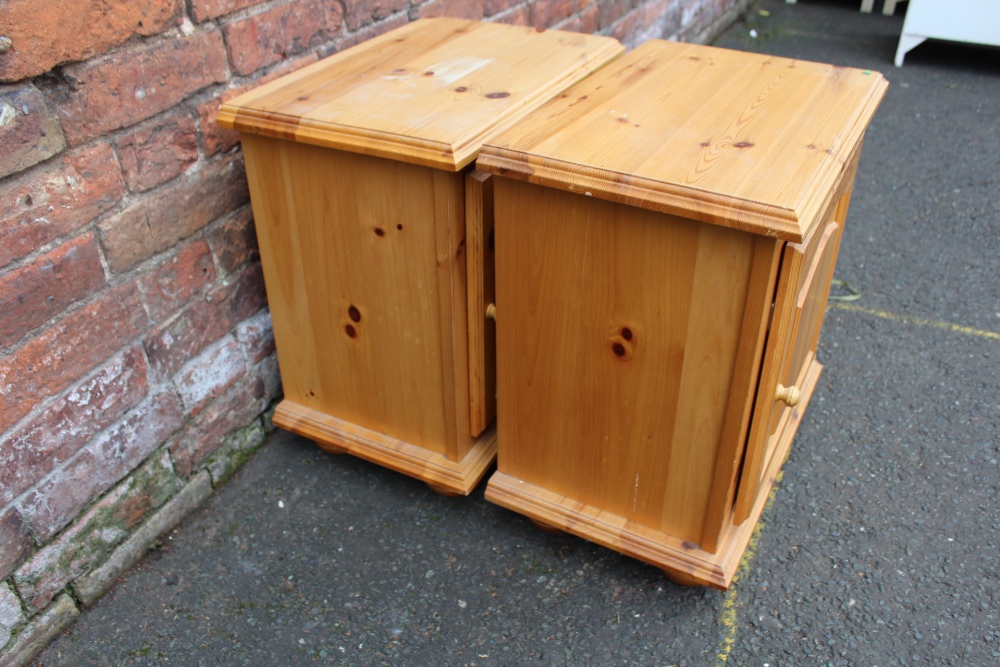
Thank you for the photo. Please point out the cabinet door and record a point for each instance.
(790, 371)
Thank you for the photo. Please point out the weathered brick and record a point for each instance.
(203, 10)
(15, 542)
(547, 13)
(33, 293)
(46, 33)
(590, 20)
(656, 19)
(177, 279)
(215, 139)
(28, 454)
(97, 467)
(11, 614)
(29, 133)
(92, 586)
(49, 202)
(520, 15)
(66, 351)
(234, 409)
(700, 21)
(493, 7)
(210, 374)
(205, 321)
(132, 85)
(91, 539)
(158, 220)
(271, 36)
(363, 12)
(234, 241)
(613, 10)
(155, 154)
(367, 32)
(256, 335)
(39, 632)
(463, 9)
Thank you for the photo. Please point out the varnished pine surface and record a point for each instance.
(741, 140)
(350, 250)
(428, 92)
(618, 334)
(337, 436)
(682, 561)
(800, 302)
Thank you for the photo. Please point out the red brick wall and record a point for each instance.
(136, 358)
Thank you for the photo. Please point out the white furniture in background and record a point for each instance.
(888, 8)
(976, 21)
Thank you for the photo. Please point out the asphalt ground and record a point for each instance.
(880, 545)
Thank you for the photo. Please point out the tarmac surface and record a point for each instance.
(880, 546)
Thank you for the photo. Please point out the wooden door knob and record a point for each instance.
(491, 312)
(790, 395)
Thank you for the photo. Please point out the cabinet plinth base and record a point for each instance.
(682, 561)
(340, 437)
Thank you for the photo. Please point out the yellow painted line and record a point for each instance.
(730, 604)
(918, 321)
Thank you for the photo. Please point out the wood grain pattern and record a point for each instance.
(365, 269)
(682, 559)
(741, 140)
(480, 293)
(427, 93)
(351, 270)
(800, 303)
(341, 437)
(618, 334)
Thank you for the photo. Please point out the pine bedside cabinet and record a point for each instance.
(362, 191)
(666, 232)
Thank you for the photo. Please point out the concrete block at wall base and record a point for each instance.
(89, 541)
(91, 587)
(11, 614)
(235, 450)
(111, 456)
(39, 632)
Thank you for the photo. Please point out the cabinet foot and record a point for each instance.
(680, 578)
(443, 490)
(546, 527)
(330, 449)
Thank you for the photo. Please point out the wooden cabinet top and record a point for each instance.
(738, 139)
(427, 93)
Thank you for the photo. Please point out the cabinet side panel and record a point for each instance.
(480, 293)
(348, 244)
(617, 330)
(449, 220)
